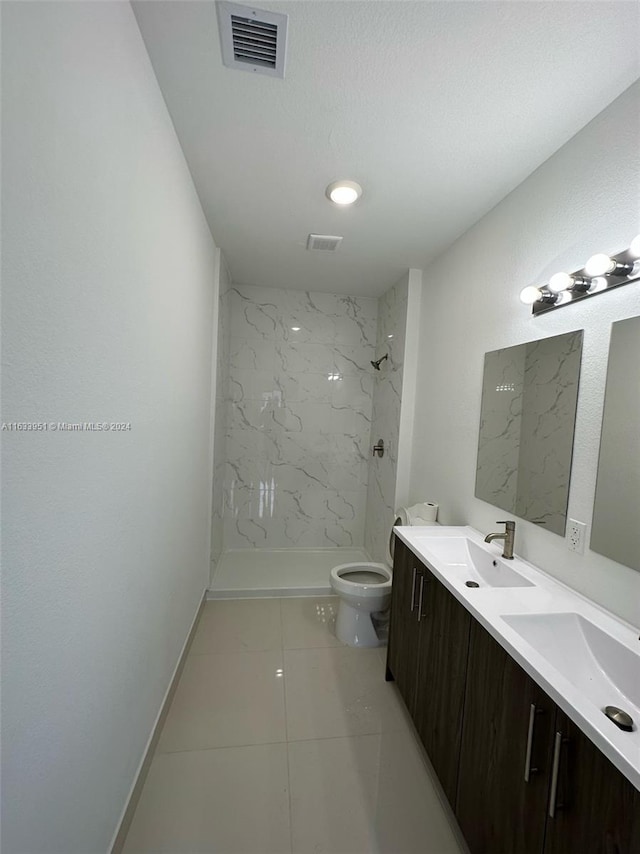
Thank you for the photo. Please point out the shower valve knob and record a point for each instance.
(379, 448)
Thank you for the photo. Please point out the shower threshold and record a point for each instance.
(259, 573)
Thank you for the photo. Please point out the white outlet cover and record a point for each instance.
(576, 535)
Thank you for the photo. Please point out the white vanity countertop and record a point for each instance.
(490, 605)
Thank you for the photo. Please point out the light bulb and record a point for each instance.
(560, 282)
(598, 284)
(343, 195)
(634, 249)
(530, 294)
(564, 297)
(599, 265)
(344, 192)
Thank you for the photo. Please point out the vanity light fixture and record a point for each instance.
(343, 193)
(600, 273)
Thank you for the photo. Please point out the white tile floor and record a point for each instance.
(280, 740)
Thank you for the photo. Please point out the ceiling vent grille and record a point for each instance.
(323, 242)
(252, 39)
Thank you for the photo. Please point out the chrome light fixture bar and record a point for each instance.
(601, 273)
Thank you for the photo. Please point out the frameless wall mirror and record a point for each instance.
(527, 419)
(615, 532)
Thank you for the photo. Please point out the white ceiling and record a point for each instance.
(439, 109)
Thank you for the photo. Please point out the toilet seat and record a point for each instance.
(364, 580)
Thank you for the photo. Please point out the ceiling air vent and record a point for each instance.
(323, 242)
(252, 39)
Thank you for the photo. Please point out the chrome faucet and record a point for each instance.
(508, 537)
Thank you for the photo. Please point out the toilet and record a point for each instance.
(364, 590)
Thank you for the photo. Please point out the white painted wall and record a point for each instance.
(410, 370)
(107, 271)
(584, 199)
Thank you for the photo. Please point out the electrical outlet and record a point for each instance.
(576, 532)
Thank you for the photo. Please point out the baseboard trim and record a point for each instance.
(128, 812)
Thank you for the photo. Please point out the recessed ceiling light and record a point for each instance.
(344, 192)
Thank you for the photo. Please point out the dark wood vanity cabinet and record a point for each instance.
(595, 808)
(495, 738)
(404, 628)
(428, 645)
(442, 671)
(505, 754)
(513, 738)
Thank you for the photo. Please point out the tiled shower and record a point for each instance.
(296, 395)
(387, 402)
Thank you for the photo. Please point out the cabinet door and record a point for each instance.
(442, 670)
(402, 654)
(593, 809)
(505, 757)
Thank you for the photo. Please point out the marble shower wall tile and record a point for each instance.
(220, 422)
(387, 400)
(312, 516)
(298, 418)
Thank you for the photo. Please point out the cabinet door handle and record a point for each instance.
(528, 770)
(420, 597)
(413, 589)
(553, 806)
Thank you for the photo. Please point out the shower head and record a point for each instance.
(376, 365)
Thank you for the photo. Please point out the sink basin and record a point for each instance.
(470, 561)
(602, 668)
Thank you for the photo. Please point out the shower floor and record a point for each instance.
(246, 573)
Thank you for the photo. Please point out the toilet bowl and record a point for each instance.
(364, 590)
